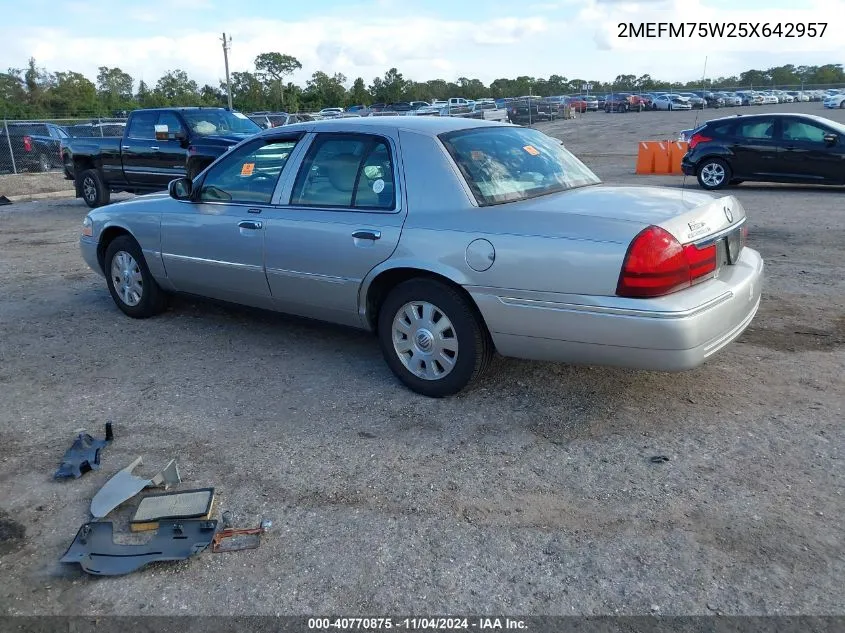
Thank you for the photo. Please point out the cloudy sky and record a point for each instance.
(424, 39)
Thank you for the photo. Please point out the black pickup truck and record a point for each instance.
(158, 146)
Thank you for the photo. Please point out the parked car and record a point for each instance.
(528, 111)
(488, 111)
(34, 146)
(369, 223)
(267, 120)
(835, 101)
(730, 98)
(671, 102)
(158, 145)
(330, 112)
(697, 103)
(798, 96)
(790, 148)
(623, 102)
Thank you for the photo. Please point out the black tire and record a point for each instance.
(669, 107)
(475, 347)
(93, 189)
(707, 170)
(842, 105)
(153, 299)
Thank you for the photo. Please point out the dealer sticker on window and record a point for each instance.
(532, 150)
(247, 169)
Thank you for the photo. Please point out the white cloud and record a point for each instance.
(574, 38)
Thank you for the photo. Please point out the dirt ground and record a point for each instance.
(28, 184)
(534, 493)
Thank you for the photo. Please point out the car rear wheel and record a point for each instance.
(432, 338)
(94, 191)
(713, 173)
(130, 282)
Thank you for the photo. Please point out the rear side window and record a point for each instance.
(721, 129)
(346, 171)
(759, 129)
(143, 125)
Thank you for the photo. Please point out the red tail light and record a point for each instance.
(27, 143)
(698, 138)
(656, 264)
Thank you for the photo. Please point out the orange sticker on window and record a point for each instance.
(476, 155)
(531, 150)
(247, 169)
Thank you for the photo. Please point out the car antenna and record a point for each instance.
(695, 124)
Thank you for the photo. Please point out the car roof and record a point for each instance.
(430, 125)
(778, 115)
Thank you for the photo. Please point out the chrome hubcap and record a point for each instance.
(89, 189)
(425, 341)
(127, 279)
(712, 174)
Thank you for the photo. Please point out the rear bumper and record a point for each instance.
(680, 332)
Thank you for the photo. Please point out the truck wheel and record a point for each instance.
(94, 191)
(44, 163)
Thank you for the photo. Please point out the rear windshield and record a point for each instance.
(506, 164)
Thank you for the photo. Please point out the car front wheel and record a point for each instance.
(713, 173)
(432, 338)
(130, 282)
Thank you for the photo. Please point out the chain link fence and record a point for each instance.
(35, 145)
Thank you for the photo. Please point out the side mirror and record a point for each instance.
(161, 132)
(180, 189)
(831, 139)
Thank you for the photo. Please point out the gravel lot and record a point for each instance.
(532, 494)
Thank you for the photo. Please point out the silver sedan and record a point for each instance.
(451, 239)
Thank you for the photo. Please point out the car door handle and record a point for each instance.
(249, 224)
(126, 147)
(155, 147)
(366, 235)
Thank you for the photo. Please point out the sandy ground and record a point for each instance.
(532, 494)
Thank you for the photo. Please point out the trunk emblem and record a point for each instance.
(729, 214)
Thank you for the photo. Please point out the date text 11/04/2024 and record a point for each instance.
(415, 624)
(742, 30)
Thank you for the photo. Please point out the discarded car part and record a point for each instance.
(83, 455)
(95, 551)
(124, 485)
(231, 539)
(185, 504)
(659, 459)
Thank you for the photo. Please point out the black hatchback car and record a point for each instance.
(787, 148)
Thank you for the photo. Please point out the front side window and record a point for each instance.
(143, 125)
(803, 132)
(249, 174)
(347, 171)
(505, 164)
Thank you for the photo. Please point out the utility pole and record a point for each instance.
(226, 44)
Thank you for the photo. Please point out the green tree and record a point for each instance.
(248, 93)
(358, 94)
(114, 88)
(176, 88)
(324, 91)
(38, 83)
(389, 89)
(13, 94)
(275, 67)
(73, 94)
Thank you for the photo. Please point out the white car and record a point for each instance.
(671, 102)
(835, 101)
(731, 98)
(331, 112)
(769, 98)
(799, 96)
